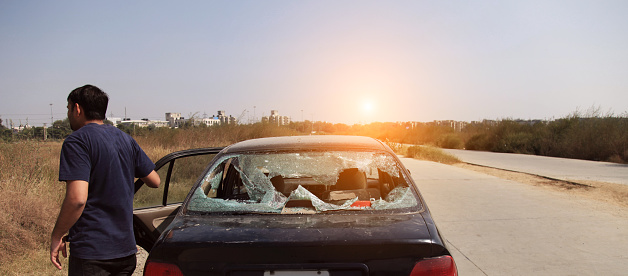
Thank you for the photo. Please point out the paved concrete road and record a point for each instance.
(499, 227)
(558, 168)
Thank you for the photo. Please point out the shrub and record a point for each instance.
(450, 141)
(431, 154)
(396, 147)
(479, 142)
(520, 142)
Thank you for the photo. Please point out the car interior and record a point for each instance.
(351, 183)
(241, 183)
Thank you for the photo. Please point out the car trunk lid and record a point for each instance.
(352, 243)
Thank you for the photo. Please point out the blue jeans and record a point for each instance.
(119, 266)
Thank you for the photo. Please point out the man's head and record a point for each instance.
(86, 103)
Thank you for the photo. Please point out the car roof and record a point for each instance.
(312, 142)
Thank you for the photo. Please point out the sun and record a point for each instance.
(367, 106)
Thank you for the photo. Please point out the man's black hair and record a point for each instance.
(92, 100)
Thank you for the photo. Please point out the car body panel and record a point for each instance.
(315, 229)
(208, 245)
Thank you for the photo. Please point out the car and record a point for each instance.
(297, 205)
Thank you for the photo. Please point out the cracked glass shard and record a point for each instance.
(200, 202)
(400, 197)
(266, 182)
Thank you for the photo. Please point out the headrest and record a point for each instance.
(351, 179)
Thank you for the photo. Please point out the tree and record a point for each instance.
(60, 129)
(128, 128)
(6, 134)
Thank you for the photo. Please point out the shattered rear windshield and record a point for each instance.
(303, 183)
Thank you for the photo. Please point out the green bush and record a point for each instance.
(520, 142)
(479, 141)
(450, 141)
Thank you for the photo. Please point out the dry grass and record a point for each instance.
(160, 141)
(29, 200)
(34, 261)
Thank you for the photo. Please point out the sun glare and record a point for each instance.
(367, 106)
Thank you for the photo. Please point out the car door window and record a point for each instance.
(184, 175)
(177, 178)
(149, 197)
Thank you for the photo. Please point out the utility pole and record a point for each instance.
(45, 132)
(51, 116)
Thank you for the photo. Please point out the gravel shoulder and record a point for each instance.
(616, 194)
(141, 256)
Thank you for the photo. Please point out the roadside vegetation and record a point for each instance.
(593, 137)
(30, 198)
(589, 135)
(431, 153)
(30, 194)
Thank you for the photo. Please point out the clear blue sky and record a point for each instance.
(337, 61)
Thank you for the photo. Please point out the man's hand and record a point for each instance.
(57, 245)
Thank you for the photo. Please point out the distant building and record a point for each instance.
(175, 120)
(143, 123)
(157, 123)
(275, 118)
(204, 121)
(456, 125)
(486, 122)
(115, 120)
(20, 128)
(224, 119)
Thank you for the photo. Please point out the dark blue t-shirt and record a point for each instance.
(109, 160)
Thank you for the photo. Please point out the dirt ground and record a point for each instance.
(141, 256)
(616, 194)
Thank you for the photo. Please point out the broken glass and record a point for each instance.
(400, 197)
(309, 176)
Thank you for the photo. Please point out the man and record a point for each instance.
(98, 163)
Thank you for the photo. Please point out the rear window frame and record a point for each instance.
(219, 158)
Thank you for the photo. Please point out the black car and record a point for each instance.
(301, 205)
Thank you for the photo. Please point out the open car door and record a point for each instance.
(154, 209)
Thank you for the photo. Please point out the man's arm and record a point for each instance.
(152, 180)
(71, 210)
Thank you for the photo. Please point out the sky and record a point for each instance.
(337, 61)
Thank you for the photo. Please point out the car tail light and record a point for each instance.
(443, 265)
(162, 269)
